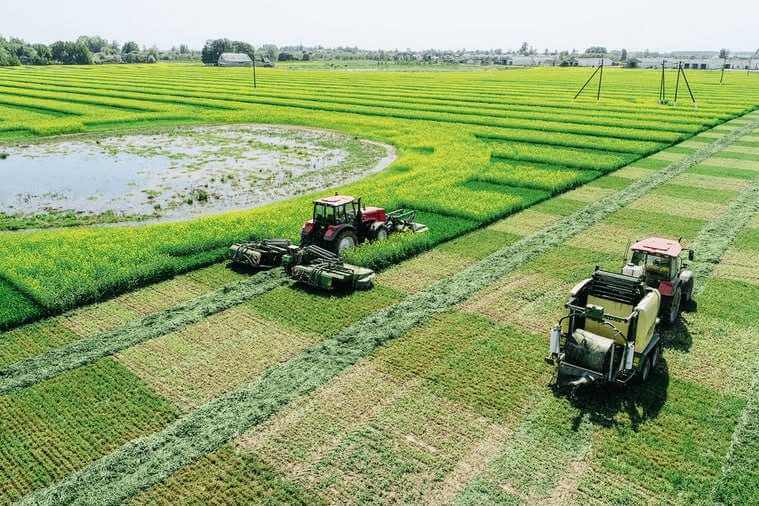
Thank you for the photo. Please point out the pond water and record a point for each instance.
(182, 173)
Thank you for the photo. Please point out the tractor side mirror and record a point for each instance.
(691, 256)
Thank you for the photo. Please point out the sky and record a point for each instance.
(662, 25)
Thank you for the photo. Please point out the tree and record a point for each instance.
(632, 63)
(183, 49)
(130, 47)
(7, 58)
(71, 53)
(95, 43)
(213, 49)
(524, 50)
(623, 55)
(596, 50)
(724, 53)
(270, 51)
(44, 56)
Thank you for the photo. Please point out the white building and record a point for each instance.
(235, 60)
(589, 61)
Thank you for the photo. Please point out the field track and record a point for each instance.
(431, 387)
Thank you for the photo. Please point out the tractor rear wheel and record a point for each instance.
(344, 241)
(688, 292)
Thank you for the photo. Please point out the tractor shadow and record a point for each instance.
(243, 269)
(613, 405)
(677, 336)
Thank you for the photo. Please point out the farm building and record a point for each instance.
(712, 63)
(534, 60)
(235, 60)
(589, 61)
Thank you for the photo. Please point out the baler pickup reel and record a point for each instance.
(309, 265)
(608, 334)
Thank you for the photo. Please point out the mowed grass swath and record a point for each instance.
(473, 147)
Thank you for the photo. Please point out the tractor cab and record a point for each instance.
(340, 222)
(657, 261)
(336, 210)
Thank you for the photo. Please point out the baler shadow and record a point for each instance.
(602, 404)
(677, 337)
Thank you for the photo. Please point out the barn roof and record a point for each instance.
(235, 57)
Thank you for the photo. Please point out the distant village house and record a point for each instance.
(235, 60)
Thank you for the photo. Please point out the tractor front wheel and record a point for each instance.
(674, 308)
(345, 241)
(378, 233)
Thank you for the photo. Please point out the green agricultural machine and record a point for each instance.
(338, 223)
(609, 334)
(309, 265)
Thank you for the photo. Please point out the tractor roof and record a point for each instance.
(335, 200)
(659, 246)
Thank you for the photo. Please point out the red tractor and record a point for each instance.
(341, 222)
(658, 262)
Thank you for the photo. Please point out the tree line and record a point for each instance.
(85, 50)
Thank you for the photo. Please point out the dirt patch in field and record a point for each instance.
(178, 174)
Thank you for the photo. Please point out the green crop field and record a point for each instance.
(135, 367)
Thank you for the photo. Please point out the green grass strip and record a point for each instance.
(739, 482)
(85, 351)
(146, 461)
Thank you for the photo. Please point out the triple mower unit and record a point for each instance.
(608, 335)
(338, 223)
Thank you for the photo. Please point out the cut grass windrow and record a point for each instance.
(149, 460)
(86, 351)
(740, 475)
(714, 239)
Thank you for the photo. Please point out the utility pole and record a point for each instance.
(597, 69)
(600, 79)
(255, 84)
(722, 75)
(750, 60)
(677, 82)
(662, 88)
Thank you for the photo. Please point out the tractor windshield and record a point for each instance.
(324, 215)
(655, 266)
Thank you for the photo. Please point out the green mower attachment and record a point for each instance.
(322, 269)
(309, 265)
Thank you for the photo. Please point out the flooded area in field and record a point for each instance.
(182, 173)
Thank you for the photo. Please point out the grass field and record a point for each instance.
(430, 388)
(473, 147)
